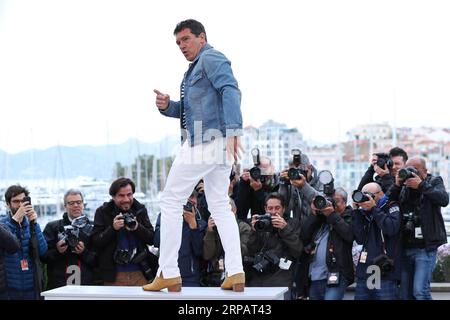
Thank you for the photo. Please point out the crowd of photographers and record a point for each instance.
(296, 230)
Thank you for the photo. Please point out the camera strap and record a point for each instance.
(383, 243)
(333, 257)
(363, 254)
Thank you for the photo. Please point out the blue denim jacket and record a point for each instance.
(212, 99)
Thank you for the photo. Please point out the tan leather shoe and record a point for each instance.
(159, 283)
(236, 282)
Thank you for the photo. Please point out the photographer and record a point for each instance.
(328, 240)
(9, 244)
(20, 266)
(421, 197)
(376, 226)
(213, 251)
(300, 188)
(191, 248)
(384, 167)
(122, 231)
(273, 245)
(70, 259)
(251, 192)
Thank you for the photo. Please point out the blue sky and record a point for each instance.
(83, 72)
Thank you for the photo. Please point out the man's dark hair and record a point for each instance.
(396, 151)
(195, 26)
(275, 195)
(13, 191)
(121, 183)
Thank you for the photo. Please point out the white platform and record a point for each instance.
(137, 293)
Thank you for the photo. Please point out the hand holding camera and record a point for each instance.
(189, 215)
(255, 184)
(322, 205)
(211, 224)
(79, 248)
(364, 199)
(278, 222)
(410, 177)
(118, 222)
(262, 223)
(61, 246)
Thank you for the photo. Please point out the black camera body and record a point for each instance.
(294, 173)
(410, 222)
(188, 206)
(71, 236)
(255, 173)
(384, 160)
(263, 261)
(123, 256)
(385, 263)
(359, 196)
(129, 219)
(406, 173)
(264, 223)
(321, 202)
(27, 198)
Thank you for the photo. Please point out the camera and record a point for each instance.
(255, 172)
(384, 160)
(264, 223)
(359, 196)
(410, 221)
(263, 261)
(295, 172)
(129, 219)
(27, 199)
(384, 262)
(123, 256)
(406, 173)
(71, 236)
(188, 206)
(321, 202)
(327, 180)
(71, 233)
(147, 262)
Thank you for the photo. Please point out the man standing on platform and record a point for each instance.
(211, 121)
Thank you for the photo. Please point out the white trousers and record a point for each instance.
(207, 161)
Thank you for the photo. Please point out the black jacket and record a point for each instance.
(431, 195)
(385, 181)
(284, 243)
(340, 240)
(10, 244)
(57, 263)
(105, 238)
(367, 228)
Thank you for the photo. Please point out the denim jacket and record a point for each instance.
(212, 99)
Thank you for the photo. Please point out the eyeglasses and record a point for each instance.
(77, 202)
(17, 201)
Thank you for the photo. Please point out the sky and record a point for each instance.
(83, 72)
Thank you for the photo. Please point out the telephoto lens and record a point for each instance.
(359, 196)
(320, 202)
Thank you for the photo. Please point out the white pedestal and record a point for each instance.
(137, 293)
